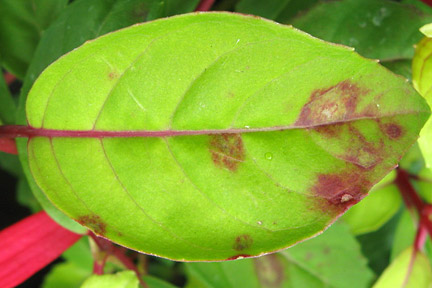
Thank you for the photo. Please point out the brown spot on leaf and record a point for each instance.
(393, 131)
(94, 223)
(113, 75)
(335, 103)
(340, 191)
(227, 150)
(239, 256)
(243, 242)
(270, 271)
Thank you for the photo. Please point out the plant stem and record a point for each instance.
(8, 145)
(413, 200)
(428, 2)
(9, 78)
(108, 247)
(205, 5)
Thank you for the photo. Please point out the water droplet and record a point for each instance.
(268, 156)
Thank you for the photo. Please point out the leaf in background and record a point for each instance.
(260, 129)
(278, 10)
(30, 245)
(7, 104)
(22, 24)
(375, 210)
(125, 279)
(425, 184)
(80, 254)
(422, 80)
(403, 272)
(25, 196)
(332, 259)
(401, 67)
(405, 235)
(66, 275)
(81, 21)
(380, 29)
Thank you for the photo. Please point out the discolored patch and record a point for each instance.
(332, 104)
(270, 271)
(243, 242)
(94, 223)
(392, 130)
(113, 75)
(227, 150)
(239, 256)
(338, 192)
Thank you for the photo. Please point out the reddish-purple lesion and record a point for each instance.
(337, 192)
(227, 150)
(94, 223)
(335, 103)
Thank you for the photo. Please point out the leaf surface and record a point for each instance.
(213, 135)
(81, 21)
(332, 259)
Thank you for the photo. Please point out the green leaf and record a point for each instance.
(25, 196)
(255, 114)
(407, 271)
(66, 275)
(22, 23)
(380, 29)
(401, 67)
(80, 254)
(379, 207)
(405, 236)
(83, 20)
(280, 10)
(425, 184)
(332, 259)
(422, 80)
(125, 279)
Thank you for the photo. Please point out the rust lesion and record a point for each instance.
(113, 75)
(94, 223)
(242, 242)
(339, 191)
(335, 103)
(227, 150)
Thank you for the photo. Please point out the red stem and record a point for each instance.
(428, 2)
(9, 78)
(412, 199)
(8, 145)
(110, 249)
(205, 5)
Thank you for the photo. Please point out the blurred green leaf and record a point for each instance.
(332, 259)
(7, 104)
(376, 209)
(403, 272)
(425, 184)
(401, 67)
(380, 29)
(22, 23)
(405, 235)
(80, 254)
(125, 279)
(422, 80)
(279, 10)
(25, 196)
(66, 275)
(376, 246)
(81, 21)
